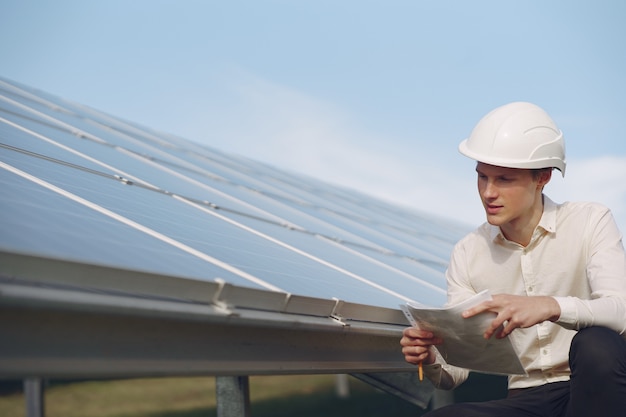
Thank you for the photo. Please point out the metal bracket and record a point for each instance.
(335, 313)
(221, 305)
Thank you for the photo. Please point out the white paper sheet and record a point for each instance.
(463, 341)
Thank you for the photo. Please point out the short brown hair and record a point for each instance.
(536, 173)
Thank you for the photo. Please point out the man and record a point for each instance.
(557, 272)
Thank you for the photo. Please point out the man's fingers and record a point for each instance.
(507, 330)
(414, 332)
(415, 354)
(484, 306)
(410, 341)
(415, 351)
(493, 327)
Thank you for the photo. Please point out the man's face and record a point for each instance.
(510, 196)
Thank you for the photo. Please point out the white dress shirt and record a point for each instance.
(575, 255)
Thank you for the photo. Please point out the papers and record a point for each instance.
(463, 342)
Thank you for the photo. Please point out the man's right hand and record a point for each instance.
(416, 345)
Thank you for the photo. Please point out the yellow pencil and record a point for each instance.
(420, 371)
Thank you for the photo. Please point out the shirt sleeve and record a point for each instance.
(606, 274)
(442, 375)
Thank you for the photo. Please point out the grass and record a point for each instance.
(276, 396)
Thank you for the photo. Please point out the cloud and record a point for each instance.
(292, 130)
(299, 132)
(599, 179)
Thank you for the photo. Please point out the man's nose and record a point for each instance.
(490, 190)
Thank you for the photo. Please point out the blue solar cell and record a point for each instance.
(191, 211)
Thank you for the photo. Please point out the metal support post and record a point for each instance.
(342, 386)
(34, 396)
(441, 398)
(233, 396)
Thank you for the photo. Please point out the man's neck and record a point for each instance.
(521, 230)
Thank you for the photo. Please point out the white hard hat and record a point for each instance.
(517, 135)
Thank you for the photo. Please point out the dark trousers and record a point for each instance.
(597, 386)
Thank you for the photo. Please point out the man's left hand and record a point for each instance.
(516, 311)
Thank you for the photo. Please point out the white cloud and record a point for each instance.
(599, 179)
(295, 131)
(301, 133)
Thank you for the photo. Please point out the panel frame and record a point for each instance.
(65, 331)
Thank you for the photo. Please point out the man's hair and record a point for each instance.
(536, 173)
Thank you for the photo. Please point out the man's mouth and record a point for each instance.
(493, 208)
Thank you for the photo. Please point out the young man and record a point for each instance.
(557, 273)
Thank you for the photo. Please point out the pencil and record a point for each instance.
(420, 371)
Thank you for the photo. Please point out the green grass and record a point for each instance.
(276, 396)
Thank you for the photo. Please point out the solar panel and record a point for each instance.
(185, 210)
(101, 215)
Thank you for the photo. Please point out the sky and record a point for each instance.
(372, 95)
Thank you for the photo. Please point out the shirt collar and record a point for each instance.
(547, 221)
(548, 218)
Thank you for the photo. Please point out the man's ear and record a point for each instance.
(545, 175)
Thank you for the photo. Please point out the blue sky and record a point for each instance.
(374, 95)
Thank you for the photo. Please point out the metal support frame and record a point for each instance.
(405, 385)
(233, 396)
(34, 397)
(64, 344)
(342, 386)
(441, 398)
(63, 332)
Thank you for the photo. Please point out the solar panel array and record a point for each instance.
(84, 187)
